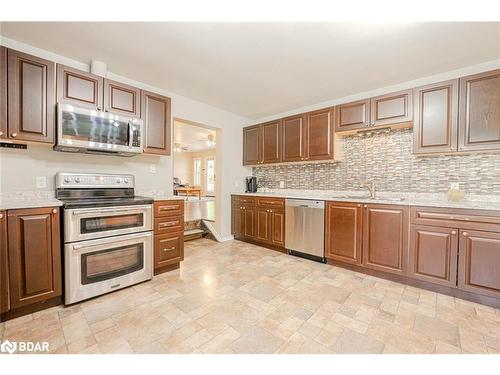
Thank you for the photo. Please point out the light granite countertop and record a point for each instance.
(478, 202)
(18, 203)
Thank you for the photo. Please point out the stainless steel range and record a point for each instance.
(107, 234)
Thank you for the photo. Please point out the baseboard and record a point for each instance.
(218, 237)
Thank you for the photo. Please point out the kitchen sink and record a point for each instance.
(355, 197)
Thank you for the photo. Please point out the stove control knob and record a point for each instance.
(126, 180)
(118, 180)
(77, 180)
(67, 179)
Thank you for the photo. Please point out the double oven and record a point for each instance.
(107, 234)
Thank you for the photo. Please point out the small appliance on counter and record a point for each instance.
(251, 185)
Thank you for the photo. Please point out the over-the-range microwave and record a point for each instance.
(91, 131)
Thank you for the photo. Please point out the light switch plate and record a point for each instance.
(41, 182)
(282, 184)
(454, 186)
(152, 168)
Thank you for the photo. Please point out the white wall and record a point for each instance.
(183, 167)
(18, 168)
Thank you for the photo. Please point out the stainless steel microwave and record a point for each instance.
(88, 130)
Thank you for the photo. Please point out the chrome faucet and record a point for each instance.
(371, 188)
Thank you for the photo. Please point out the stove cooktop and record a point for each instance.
(105, 202)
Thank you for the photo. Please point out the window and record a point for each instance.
(210, 175)
(197, 172)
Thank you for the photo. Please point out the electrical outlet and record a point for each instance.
(41, 182)
(454, 186)
(152, 168)
(282, 184)
(236, 183)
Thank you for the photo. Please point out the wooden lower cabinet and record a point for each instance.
(168, 235)
(385, 238)
(259, 220)
(4, 265)
(343, 232)
(479, 262)
(34, 256)
(433, 254)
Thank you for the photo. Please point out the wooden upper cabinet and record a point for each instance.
(344, 228)
(271, 142)
(391, 109)
(433, 254)
(122, 99)
(80, 88)
(385, 238)
(319, 135)
(352, 116)
(4, 265)
(34, 255)
(479, 262)
(436, 118)
(156, 120)
(31, 98)
(3, 92)
(479, 119)
(294, 133)
(252, 145)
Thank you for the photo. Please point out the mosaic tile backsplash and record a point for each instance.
(388, 160)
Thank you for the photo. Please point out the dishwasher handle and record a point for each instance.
(304, 203)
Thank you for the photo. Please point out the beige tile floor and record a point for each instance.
(238, 298)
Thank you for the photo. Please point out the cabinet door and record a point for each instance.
(263, 225)
(433, 254)
(4, 265)
(3, 92)
(436, 118)
(319, 135)
(237, 221)
(169, 249)
(79, 88)
(122, 99)
(252, 145)
(156, 118)
(479, 262)
(31, 98)
(294, 146)
(34, 255)
(249, 223)
(352, 116)
(271, 142)
(479, 126)
(391, 109)
(385, 238)
(278, 227)
(344, 230)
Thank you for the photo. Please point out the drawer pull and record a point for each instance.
(167, 208)
(169, 249)
(168, 224)
(465, 234)
(453, 232)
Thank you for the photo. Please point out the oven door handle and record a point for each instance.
(125, 209)
(123, 240)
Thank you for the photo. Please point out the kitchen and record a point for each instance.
(363, 222)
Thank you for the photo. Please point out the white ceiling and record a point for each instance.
(261, 69)
(192, 136)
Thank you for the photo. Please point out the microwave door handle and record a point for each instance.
(130, 135)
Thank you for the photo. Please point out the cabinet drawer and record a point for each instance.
(169, 208)
(460, 218)
(168, 225)
(271, 202)
(243, 199)
(169, 249)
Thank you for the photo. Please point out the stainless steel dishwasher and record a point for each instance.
(305, 228)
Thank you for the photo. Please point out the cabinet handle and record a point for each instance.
(461, 147)
(271, 211)
(106, 110)
(465, 234)
(307, 158)
(1, 133)
(168, 224)
(373, 123)
(453, 232)
(98, 108)
(1, 216)
(166, 208)
(365, 206)
(54, 211)
(366, 123)
(169, 249)
(359, 205)
(13, 135)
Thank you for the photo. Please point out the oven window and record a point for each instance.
(111, 263)
(105, 223)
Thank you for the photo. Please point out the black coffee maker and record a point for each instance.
(251, 185)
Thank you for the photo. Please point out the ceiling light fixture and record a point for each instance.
(211, 140)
